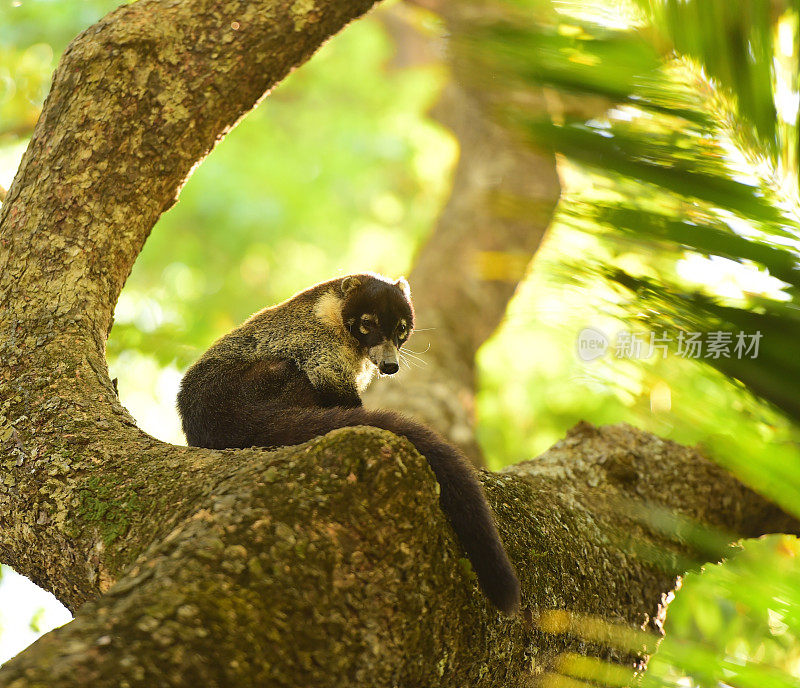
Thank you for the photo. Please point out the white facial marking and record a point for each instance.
(328, 309)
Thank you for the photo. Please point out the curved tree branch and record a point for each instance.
(307, 566)
(137, 100)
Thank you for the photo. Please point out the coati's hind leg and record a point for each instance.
(461, 495)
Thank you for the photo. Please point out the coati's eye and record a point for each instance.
(402, 330)
(367, 321)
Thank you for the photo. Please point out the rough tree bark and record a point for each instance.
(503, 197)
(327, 564)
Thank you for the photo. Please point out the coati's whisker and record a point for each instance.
(408, 357)
(410, 363)
(427, 349)
(403, 360)
(415, 357)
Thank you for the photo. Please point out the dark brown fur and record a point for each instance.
(234, 397)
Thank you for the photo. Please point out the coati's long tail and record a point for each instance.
(464, 503)
(461, 496)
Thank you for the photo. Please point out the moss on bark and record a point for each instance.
(332, 563)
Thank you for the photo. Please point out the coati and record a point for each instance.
(294, 371)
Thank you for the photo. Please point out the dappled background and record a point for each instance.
(675, 129)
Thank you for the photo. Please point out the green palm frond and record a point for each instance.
(680, 134)
(734, 43)
(681, 178)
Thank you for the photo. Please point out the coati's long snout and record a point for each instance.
(384, 355)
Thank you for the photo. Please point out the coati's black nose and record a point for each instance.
(388, 367)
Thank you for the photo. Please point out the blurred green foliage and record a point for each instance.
(35, 623)
(729, 615)
(32, 36)
(681, 192)
(676, 124)
(682, 225)
(339, 170)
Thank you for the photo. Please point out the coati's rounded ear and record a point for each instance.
(350, 283)
(402, 285)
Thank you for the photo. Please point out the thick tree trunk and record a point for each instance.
(503, 197)
(308, 566)
(326, 564)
